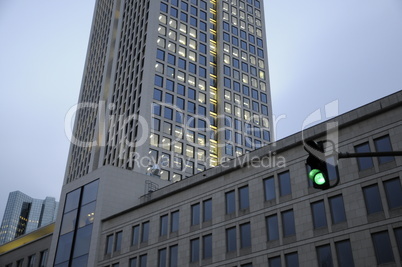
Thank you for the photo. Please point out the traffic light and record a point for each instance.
(318, 167)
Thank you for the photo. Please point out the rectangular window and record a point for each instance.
(207, 210)
(272, 227)
(393, 192)
(274, 261)
(174, 227)
(195, 214)
(195, 250)
(163, 225)
(324, 256)
(383, 144)
(143, 260)
(43, 258)
(344, 253)
(292, 259)
(284, 183)
(398, 237)
(318, 212)
(288, 222)
(245, 235)
(162, 257)
(269, 188)
(117, 241)
(230, 202)
(173, 256)
(31, 260)
(145, 232)
(382, 247)
(231, 239)
(109, 244)
(372, 199)
(243, 198)
(207, 246)
(135, 235)
(364, 163)
(337, 209)
(133, 262)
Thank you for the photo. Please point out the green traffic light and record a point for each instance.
(317, 176)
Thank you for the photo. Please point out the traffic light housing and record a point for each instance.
(318, 173)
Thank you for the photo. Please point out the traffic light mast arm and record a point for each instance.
(342, 155)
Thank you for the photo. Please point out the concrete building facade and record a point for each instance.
(181, 84)
(256, 210)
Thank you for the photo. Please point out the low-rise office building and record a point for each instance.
(259, 209)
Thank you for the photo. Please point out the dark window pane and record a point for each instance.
(68, 222)
(163, 225)
(274, 262)
(207, 210)
(230, 202)
(174, 222)
(337, 209)
(231, 239)
(145, 232)
(80, 261)
(372, 198)
(43, 258)
(344, 254)
(383, 144)
(173, 256)
(243, 198)
(288, 221)
(162, 258)
(207, 247)
(245, 235)
(143, 260)
(87, 214)
(318, 211)
(272, 228)
(398, 236)
(394, 193)
(82, 241)
(292, 260)
(195, 214)
(117, 241)
(364, 163)
(136, 235)
(133, 262)
(269, 188)
(109, 244)
(382, 247)
(64, 248)
(72, 200)
(284, 183)
(194, 250)
(324, 256)
(90, 192)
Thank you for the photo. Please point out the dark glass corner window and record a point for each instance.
(383, 144)
(364, 163)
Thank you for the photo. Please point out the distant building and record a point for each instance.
(25, 214)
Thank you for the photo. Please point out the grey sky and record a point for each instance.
(319, 51)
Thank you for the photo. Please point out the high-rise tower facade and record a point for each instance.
(172, 86)
(25, 214)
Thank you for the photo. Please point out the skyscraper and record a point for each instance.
(172, 86)
(25, 214)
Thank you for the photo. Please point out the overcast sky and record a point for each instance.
(319, 51)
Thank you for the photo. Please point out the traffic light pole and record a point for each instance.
(342, 155)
